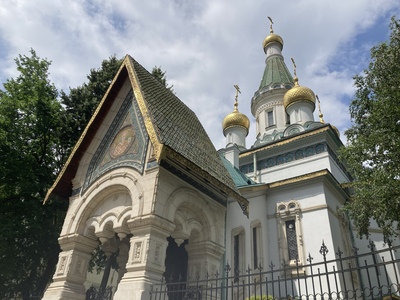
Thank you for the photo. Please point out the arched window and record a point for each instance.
(290, 233)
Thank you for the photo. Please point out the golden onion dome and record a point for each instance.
(298, 94)
(236, 119)
(272, 38)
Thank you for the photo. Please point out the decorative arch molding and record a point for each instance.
(194, 216)
(293, 129)
(268, 105)
(111, 222)
(114, 184)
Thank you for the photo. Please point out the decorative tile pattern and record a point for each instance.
(285, 158)
(124, 144)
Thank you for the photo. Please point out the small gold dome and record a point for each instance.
(271, 39)
(234, 119)
(298, 93)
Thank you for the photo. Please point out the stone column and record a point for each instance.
(71, 269)
(122, 257)
(204, 259)
(146, 261)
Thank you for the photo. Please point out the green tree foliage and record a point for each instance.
(160, 76)
(82, 101)
(373, 151)
(29, 160)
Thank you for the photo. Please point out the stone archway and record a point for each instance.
(100, 214)
(108, 222)
(200, 221)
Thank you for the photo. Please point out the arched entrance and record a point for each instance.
(200, 222)
(176, 264)
(176, 261)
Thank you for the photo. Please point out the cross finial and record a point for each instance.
(320, 112)
(271, 30)
(237, 94)
(294, 67)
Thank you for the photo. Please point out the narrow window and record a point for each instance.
(289, 231)
(270, 118)
(236, 256)
(292, 240)
(255, 248)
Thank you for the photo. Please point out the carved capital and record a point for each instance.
(151, 224)
(77, 242)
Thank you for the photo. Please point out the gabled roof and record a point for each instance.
(171, 125)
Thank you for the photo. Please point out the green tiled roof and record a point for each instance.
(276, 72)
(178, 127)
(238, 177)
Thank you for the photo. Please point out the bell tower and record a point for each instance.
(267, 103)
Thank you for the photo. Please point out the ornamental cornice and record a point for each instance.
(284, 142)
(301, 178)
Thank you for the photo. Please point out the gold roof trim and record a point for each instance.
(157, 146)
(299, 178)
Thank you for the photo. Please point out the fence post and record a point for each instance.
(227, 270)
(339, 254)
(324, 250)
(310, 259)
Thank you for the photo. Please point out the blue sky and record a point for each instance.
(205, 46)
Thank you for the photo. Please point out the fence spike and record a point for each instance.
(323, 250)
(371, 245)
(271, 265)
(339, 252)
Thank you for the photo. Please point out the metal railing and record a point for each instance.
(371, 275)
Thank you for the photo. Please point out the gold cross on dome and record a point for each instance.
(270, 25)
(237, 94)
(294, 67)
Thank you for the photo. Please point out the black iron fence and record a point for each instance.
(371, 275)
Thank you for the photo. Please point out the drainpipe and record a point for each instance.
(255, 166)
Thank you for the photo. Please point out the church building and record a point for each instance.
(145, 181)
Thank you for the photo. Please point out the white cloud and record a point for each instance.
(204, 46)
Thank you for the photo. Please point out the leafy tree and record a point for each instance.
(373, 151)
(82, 101)
(160, 76)
(29, 160)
